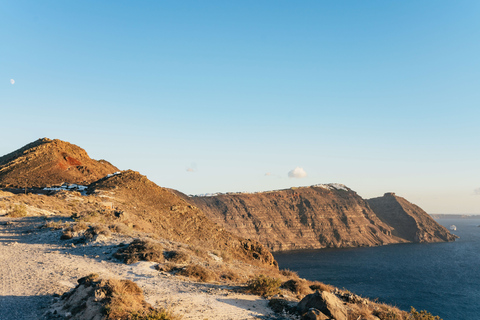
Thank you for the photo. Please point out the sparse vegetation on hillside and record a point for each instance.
(264, 286)
(19, 210)
(145, 250)
(115, 299)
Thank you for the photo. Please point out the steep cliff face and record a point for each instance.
(48, 162)
(408, 221)
(299, 218)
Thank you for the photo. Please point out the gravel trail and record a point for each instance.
(35, 265)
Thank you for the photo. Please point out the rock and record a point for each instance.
(326, 303)
(314, 314)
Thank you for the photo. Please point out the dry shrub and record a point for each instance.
(320, 286)
(199, 252)
(386, 312)
(198, 273)
(264, 286)
(166, 267)
(140, 250)
(18, 210)
(120, 228)
(56, 225)
(289, 273)
(422, 315)
(66, 235)
(123, 296)
(121, 299)
(360, 311)
(298, 286)
(177, 256)
(97, 230)
(79, 227)
(229, 275)
(73, 230)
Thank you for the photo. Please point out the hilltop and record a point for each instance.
(47, 162)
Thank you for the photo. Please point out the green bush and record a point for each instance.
(264, 286)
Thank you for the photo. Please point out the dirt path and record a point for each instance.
(35, 265)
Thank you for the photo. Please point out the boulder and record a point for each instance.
(314, 314)
(325, 302)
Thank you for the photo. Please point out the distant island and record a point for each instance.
(454, 216)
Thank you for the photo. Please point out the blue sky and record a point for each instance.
(218, 96)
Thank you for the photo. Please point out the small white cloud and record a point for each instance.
(12, 81)
(297, 173)
(476, 192)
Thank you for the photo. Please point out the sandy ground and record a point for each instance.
(35, 264)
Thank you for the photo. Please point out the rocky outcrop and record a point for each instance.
(299, 218)
(408, 221)
(326, 303)
(48, 162)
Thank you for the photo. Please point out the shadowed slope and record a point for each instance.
(408, 221)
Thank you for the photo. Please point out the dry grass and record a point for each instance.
(386, 312)
(229, 275)
(198, 273)
(361, 311)
(96, 230)
(118, 299)
(140, 250)
(264, 286)
(56, 225)
(289, 274)
(18, 211)
(177, 256)
(320, 286)
(300, 287)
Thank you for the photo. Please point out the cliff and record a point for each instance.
(320, 216)
(299, 218)
(408, 221)
(48, 162)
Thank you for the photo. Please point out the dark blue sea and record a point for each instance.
(442, 278)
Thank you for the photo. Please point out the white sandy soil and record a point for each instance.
(35, 264)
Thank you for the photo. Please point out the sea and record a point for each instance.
(442, 278)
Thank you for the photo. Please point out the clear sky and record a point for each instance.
(219, 96)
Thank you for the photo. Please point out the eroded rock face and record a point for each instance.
(408, 221)
(327, 303)
(300, 218)
(320, 217)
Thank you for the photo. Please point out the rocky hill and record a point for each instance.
(408, 221)
(150, 208)
(48, 162)
(316, 217)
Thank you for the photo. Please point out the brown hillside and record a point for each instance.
(48, 162)
(299, 218)
(408, 221)
(159, 211)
